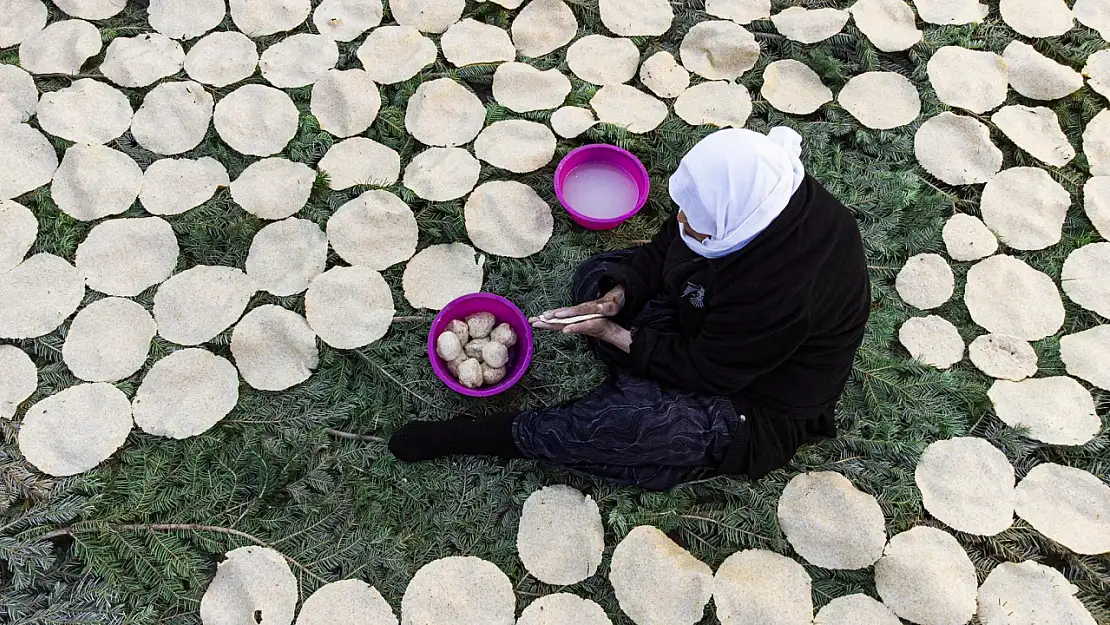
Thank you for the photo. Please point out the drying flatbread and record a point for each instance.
(252, 585)
(957, 149)
(925, 281)
(1087, 355)
(967, 238)
(571, 121)
(1026, 208)
(951, 11)
(172, 186)
(1068, 505)
(968, 79)
(428, 16)
(522, 88)
(629, 108)
(656, 581)
(1003, 357)
(1037, 131)
(932, 341)
(925, 576)
(636, 18)
(274, 348)
(18, 95)
(1056, 410)
(87, 111)
(18, 230)
(196, 305)
(349, 307)
(360, 161)
(890, 25)
(273, 188)
(792, 87)
(173, 118)
(508, 4)
(1093, 14)
(1096, 144)
(142, 60)
(1030, 592)
(260, 18)
(760, 586)
(186, 19)
(441, 273)
(349, 602)
(1096, 203)
(286, 255)
(719, 50)
(222, 58)
(91, 9)
(1097, 71)
(108, 340)
(603, 60)
(1037, 18)
(1084, 277)
(561, 538)
(562, 608)
(967, 484)
(18, 379)
(543, 26)
(1007, 296)
(185, 394)
(75, 430)
(830, 523)
(124, 257)
(27, 160)
(95, 181)
(21, 19)
(471, 42)
(60, 48)
(443, 113)
(256, 120)
(881, 100)
(664, 76)
(393, 54)
(376, 229)
(855, 610)
(345, 102)
(442, 174)
(346, 20)
(508, 218)
(459, 591)
(298, 61)
(739, 11)
(1038, 77)
(516, 145)
(809, 25)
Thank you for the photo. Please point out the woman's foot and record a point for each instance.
(421, 441)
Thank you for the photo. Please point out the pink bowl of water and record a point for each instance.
(520, 355)
(601, 185)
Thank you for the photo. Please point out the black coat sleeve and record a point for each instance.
(641, 274)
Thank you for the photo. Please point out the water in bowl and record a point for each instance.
(600, 191)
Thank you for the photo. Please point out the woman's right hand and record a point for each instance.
(609, 305)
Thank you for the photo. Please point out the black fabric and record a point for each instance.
(420, 441)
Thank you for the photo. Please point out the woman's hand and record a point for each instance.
(603, 330)
(609, 305)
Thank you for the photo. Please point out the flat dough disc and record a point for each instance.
(1056, 410)
(831, 523)
(345, 102)
(925, 576)
(664, 76)
(142, 60)
(855, 610)
(1097, 70)
(256, 120)
(603, 60)
(571, 121)
(471, 42)
(1084, 277)
(21, 19)
(393, 54)
(636, 18)
(967, 484)
(76, 429)
(376, 229)
(174, 118)
(1037, 18)
(1026, 208)
(522, 88)
(95, 181)
(1038, 77)
(956, 149)
(196, 305)
(951, 11)
(360, 161)
(1094, 14)
(349, 602)
(18, 379)
(1068, 505)
(739, 11)
(792, 87)
(87, 111)
(124, 257)
(298, 61)
(1096, 203)
(719, 50)
(516, 145)
(881, 100)
(349, 307)
(443, 113)
(890, 25)
(809, 25)
(562, 608)
(250, 581)
(1004, 357)
(346, 20)
(656, 581)
(19, 97)
(441, 273)
(186, 19)
(760, 586)
(185, 394)
(427, 16)
(1037, 131)
(932, 341)
(508, 218)
(273, 188)
(222, 58)
(60, 48)
(968, 79)
(260, 18)
(27, 160)
(91, 9)
(1096, 144)
(967, 238)
(1030, 593)
(459, 591)
(172, 186)
(18, 230)
(108, 340)
(1087, 355)
(286, 255)
(442, 174)
(629, 108)
(1007, 296)
(561, 537)
(925, 281)
(543, 26)
(274, 348)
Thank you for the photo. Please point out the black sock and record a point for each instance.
(428, 440)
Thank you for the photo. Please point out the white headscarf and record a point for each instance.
(734, 183)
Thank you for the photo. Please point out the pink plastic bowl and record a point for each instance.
(612, 155)
(520, 355)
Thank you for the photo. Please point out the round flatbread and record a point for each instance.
(792, 87)
(656, 581)
(185, 394)
(1068, 505)
(87, 111)
(1026, 208)
(376, 229)
(739, 11)
(172, 186)
(1029, 592)
(932, 341)
(925, 576)
(286, 255)
(360, 161)
(260, 18)
(1037, 18)
(256, 120)
(561, 538)
(760, 586)
(299, 60)
(571, 121)
(562, 608)
(91, 9)
(186, 20)
(108, 340)
(925, 281)
(393, 54)
(222, 58)
(442, 174)
(471, 42)
(1096, 144)
(831, 523)
(427, 16)
(441, 273)
(967, 238)
(349, 602)
(890, 25)
(881, 100)
(629, 108)
(1084, 277)
(516, 145)
(273, 188)
(951, 11)
(196, 305)
(274, 348)
(968, 79)
(346, 20)
(1094, 14)
(957, 150)
(19, 97)
(1007, 296)
(251, 581)
(95, 181)
(809, 25)
(1097, 72)
(855, 610)
(27, 160)
(603, 60)
(1003, 357)
(1037, 131)
(174, 118)
(508, 218)
(1038, 77)
(1056, 410)
(443, 113)
(663, 75)
(459, 591)
(18, 379)
(124, 257)
(1096, 203)
(1087, 355)
(345, 102)
(968, 484)
(543, 26)
(522, 88)
(636, 18)
(142, 60)
(349, 307)
(21, 19)
(719, 50)
(75, 430)
(60, 48)
(18, 230)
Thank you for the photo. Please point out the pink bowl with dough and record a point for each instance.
(520, 355)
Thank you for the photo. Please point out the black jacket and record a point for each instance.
(774, 326)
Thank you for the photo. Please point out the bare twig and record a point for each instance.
(407, 319)
(351, 436)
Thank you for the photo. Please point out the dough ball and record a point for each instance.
(249, 582)
(932, 341)
(87, 111)
(261, 18)
(1026, 208)
(345, 102)
(951, 11)
(636, 18)
(967, 484)
(508, 218)
(474, 347)
(562, 608)
(453, 365)
(38, 294)
(925, 281)
(429, 16)
(1096, 203)
(571, 121)
(286, 255)
(603, 60)
(346, 20)
(1007, 296)
(108, 340)
(809, 25)
(1030, 593)
(222, 58)
(360, 161)
(349, 307)
(719, 50)
(1084, 278)
(760, 586)
(95, 181)
(739, 11)
(461, 329)
(516, 145)
(196, 305)
(442, 174)
(967, 238)
(348, 602)
(504, 334)
(561, 538)
(1038, 77)
(448, 346)
(443, 113)
(664, 76)
(1056, 410)
(830, 523)
(481, 324)
(1096, 144)
(471, 42)
(173, 118)
(522, 88)
(186, 20)
(18, 230)
(18, 379)
(27, 160)
(968, 79)
(492, 375)
(185, 394)
(142, 60)
(495, 355)
(656, 581)
(1037, 131)
(1003, 357)
(256, 120)
(925, 576)
(274, 348)
(881, 100)
(76, 429)
(273, 188)
(1068, 505)
(855, 610)
(957, 150)
(376, 229)
(172, 186)
(459, 591)
(890, 25)
(1037, 18)
(299, 60)
(21, 19)
(629, 108)
(393, 54)
(1087, 355)
(792, 87)
(19, 97)
(441, 273)
(60, 48)
(470, 373)
(543, 26)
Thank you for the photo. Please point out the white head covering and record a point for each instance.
(734, 183)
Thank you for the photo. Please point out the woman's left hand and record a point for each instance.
(600, 329)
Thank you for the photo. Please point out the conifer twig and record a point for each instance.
(351, 436)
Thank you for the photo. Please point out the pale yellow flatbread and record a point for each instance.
(346, 20)
(1026, 208)
(60, 48)
(760, 586)
(855, 610)
(274, 348)
(881, 100)
(18, 95)
(76, 429)
(87, 111)
(108, 340)
(957, 149)
(1007, 296)
(516, 145)
(260, 18)
(603, 60)
(717, 103)
(1086, 355)
(19, 20)
(925, 576)
(360, 161)
(273, 188)
(38, 294)
(91, 9)
(1004, 357)
(830, 522)
(925, 281)
(299, 60)
(792, 87)
(809, 25)
(967, 484)
(442, 174)
(628, 107)
(1096, 203)
(256, 120)
(470, 42)
(349, 307)
(951, 11)
(18, 230)
(1084, 277)
(443, 113)
(186, 19)
(173, 118)
(739, 11)
(543, 26)
(563, 608)
(664, 76)
(95, 181)
(656, 581)
(286, 255)
(1094, 14)
(393, 54)
(172, 186)
(142, 60)
(459, 591)
(1068, 505)
(571, 121)
(27, 160)
(636, 18)
(1096, 143)
(719, 50)
(186, 394)
(196, 305)
(124, 257)
(348, 602)
(932, 341)
(522, 88)
(1055, 410)
(345, 102)
(890, 25)
(1037, 18)
(508, 218)
(441, 273)
(1037, 131)
(18, 379)
(968, 79)
(376, 229)
(1038, 77)
(967, 238)
(427, 16)
(252, 585)
(1029, 592)
(222, 58)
(1097, 71)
